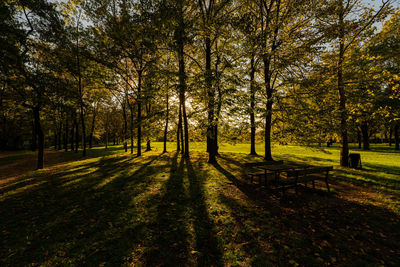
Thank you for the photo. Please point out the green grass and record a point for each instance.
(112, 208)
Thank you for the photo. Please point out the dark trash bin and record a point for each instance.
(355, 161)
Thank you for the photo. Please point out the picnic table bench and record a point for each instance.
(295, 174)
(294, 177)
(258, 165)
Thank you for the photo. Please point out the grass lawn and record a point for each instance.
(112, 208)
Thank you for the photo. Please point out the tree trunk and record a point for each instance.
(252, 106)
(166, 126)
(131, 127)
(139, 116)
(268, 115)
(72, 136)
(182, 91)
(92, 130)
(211, 145)
(344, 148)
(178, 138)
(107, 122)
(60, 134)
(76, 135)
(396, 136)
(66, 133)
(80, 91)
(83, 130)
(182, 140)
(34, 135)
(125, 125)
(40, 135)
(365, 135)
(390, 135)
(55, 138)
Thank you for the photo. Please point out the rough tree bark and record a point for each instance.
(396, 136)
(34, 135)
(139, 115)
(60, 133)
(92, 129)
(211, 145)
(166, 125)
(80, 91)
(179, 130)
(131, 127)
(125, 124)
(72, 136)
(252, 106)
(76, 135)
(66, 133)
(182, 85)
(40, 135)
(268, 115)
(344, 146)
(365, 135)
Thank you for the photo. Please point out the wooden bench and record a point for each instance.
(294, 177)
(257, 172)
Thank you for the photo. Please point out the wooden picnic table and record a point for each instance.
(277, 169)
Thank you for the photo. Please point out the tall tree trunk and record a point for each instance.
(252, 111)
(72, 136)
(66, 133)
(131, 127)
(268, 115)
(40, 135)
(219, 102)
(166, 125)
(182, 90)
(60, 133)
(211, 145)
(92, 130)
(107, 122)
(55, 138)
(365, 135)
(34, 135)
(182, 139)
(80, 90)
(178, 133)
(139, 116)
(76, 135)
(390, 135)
(344, 148)
(396, 136)
(125, 125)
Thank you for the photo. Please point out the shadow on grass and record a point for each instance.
(311, 228)
(170, 245)
(206, 241)
(60, 222)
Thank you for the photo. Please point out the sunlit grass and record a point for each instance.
(114, 208)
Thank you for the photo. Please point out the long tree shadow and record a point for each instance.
(206, 242)
(170, 246)
(76, 223)
(297, 228)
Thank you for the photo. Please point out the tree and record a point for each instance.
(343, 22)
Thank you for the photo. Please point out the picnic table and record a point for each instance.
(295, 173)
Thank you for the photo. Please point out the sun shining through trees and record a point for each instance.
(199, 133)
